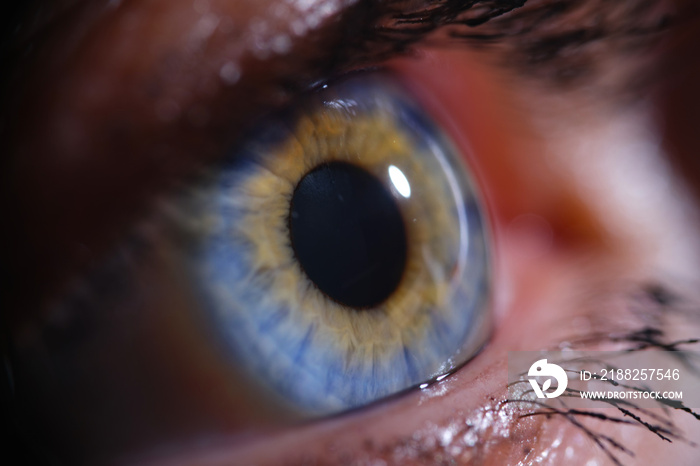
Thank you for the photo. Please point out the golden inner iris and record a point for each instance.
(374, 142)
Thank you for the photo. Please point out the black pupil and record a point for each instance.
(348, 234)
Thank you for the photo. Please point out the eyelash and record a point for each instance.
(459, 438)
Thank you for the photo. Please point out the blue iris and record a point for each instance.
(306, 347)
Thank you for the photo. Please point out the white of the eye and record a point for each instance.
(400, 182)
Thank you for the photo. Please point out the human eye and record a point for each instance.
(342, 249)
(135, 234)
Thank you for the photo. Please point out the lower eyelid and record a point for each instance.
(464, 418)
(416, 424)
(410, 430)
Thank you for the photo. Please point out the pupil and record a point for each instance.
(348, 234)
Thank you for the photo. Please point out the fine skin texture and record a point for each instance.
(585, 162)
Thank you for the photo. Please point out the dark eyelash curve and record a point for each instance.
(660, 300)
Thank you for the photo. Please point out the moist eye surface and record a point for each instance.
(343, 255)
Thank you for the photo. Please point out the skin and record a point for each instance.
(584, 206)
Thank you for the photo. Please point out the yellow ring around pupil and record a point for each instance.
(375, 143)
(315, 352)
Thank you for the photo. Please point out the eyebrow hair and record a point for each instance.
(393, 26)
(558, 41)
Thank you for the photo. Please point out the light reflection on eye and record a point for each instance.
(327, 284)
(398, 179)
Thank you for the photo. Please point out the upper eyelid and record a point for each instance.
(98, 159)
(130, 104)
(149, 175)
(39, 260)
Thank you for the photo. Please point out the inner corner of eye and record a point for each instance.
(346, 256)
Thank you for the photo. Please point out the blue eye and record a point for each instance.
(344, 255)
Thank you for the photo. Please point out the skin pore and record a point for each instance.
(112, 105)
